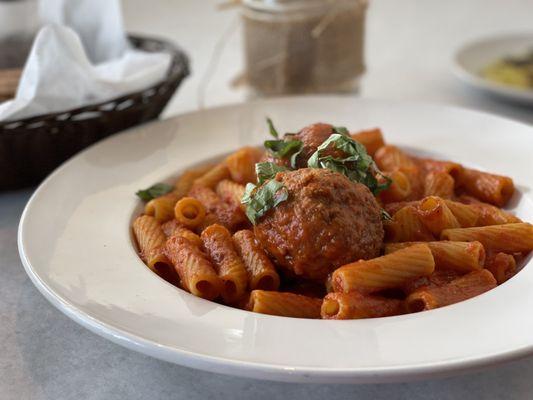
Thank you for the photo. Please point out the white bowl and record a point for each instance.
(76, 245)
(473, 57)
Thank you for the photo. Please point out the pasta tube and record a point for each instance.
(463, 288)
(502, 266)
(194, 269)
(490, 188)
(465, 215)
(407, 227)
(459, 256)
(151, 240)
(189, 212)
(229, 265)
(435, 215)
(355, 305)
(491, 215)
(241, 164)
(230, 192)
(390, 158)
(174, 228)
(507, 238)
(393, 208)
(437, 279)
(387, 272)
(439, 184)
(213, 176)
(284, 304)
(399, 189)
(186, 180)
(231, 217)
(162, 208)
(372, 139)
(447, 167)
(261, 272)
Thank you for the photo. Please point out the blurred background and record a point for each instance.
(409, 47)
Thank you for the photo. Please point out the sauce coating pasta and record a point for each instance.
(324, 223)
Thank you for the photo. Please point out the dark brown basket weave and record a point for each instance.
(31, 148)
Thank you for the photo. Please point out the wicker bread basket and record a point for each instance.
(31, 148)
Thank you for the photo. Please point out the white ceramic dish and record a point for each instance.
(76, 246)
(472, 57)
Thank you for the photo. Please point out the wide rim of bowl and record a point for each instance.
(260, 370)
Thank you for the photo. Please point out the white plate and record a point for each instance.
(473, 57)
(75, 243)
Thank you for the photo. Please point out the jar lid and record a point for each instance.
(294, 5)
(285, 5)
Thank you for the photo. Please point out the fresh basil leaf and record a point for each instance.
(271, 128)
(282, 148)
(356, 164)
(267, 170)
(341, 130)
(260, 199)
(294, 156)
(157, 190)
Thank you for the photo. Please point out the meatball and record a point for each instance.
(327, 221)
(311, 136)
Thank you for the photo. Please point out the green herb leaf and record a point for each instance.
(341, 130)
(260, 199)
(294, 156)
(271, 128)
(157, 190)
(356, 165)
(267, 170)
(282, 148)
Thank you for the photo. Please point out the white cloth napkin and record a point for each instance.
(81, 56)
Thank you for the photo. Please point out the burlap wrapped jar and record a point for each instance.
(304, 46)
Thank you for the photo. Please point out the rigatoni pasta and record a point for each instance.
(241, 164)
(162, 208)
(355, 305)
(218, 244)
(284, 304)
(458, 256)
(440, 184)
(261, 271)
(463, 288)
(210, 178)
(196, 272)
(151, 240)
(189, 212)
(508, 237)
(435, 215)
(406, 226)
(490, 188)
(223, 232)
(387, 272)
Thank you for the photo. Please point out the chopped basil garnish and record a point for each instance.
(356, 164)
(267, 170)
(260, 199)
(157, 190)
(341, 130)
(283, 148)
(272, 129)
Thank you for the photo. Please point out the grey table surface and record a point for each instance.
(45, 355)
